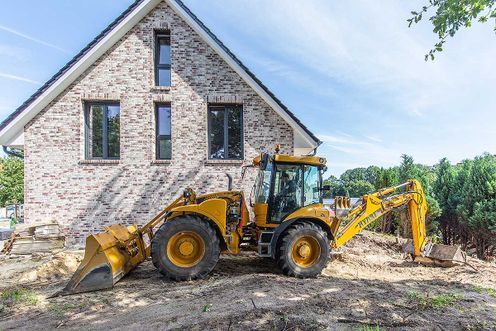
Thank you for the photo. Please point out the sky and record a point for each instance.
(352, 71)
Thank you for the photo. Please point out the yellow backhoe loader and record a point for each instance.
(291, 225)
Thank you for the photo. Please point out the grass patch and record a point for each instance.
(489, 291)
(14, 296)
(62, 308)
(433, 301)
(369, 328)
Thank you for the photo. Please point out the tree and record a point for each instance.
(448, 16)
(359, 188)
(458, 198)
(336, 185)
(11, 181)
(387, 178)
(371, 174)
(484, 219)
(444, 186)
(479, 191)
(352, 175)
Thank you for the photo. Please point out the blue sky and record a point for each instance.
(352, 71)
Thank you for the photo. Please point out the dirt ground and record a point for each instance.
(370, 287)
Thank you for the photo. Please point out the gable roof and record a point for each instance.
(14, 123)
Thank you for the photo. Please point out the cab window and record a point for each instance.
(311, 185)
(287, 194)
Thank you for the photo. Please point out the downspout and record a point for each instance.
(12, 152)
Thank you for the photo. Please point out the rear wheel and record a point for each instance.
(185, 248)
(303, 251)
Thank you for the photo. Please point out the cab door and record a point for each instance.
(287, 191)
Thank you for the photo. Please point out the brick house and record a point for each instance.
(152, 105)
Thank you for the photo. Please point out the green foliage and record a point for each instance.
(386, 177)
(444, 187)
(448, 16)
(11, 181)
(476, 209)
(359, 188)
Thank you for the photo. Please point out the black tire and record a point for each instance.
(180, 224)
(284, 253)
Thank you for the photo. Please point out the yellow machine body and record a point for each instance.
(113, 253)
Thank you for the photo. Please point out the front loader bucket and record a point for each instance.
(108, 257)
(438, 254)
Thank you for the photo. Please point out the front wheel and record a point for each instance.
(185, 248)
(303, 250)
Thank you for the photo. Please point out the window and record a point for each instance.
(287, 191)
(102, 122)
(163, 120)
(162, 60)
(295, 186)
(311, 185)
(225, 132)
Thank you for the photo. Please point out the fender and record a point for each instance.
(213, 209)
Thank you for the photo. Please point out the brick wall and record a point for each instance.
(85, 195)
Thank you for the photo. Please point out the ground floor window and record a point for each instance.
(102, 124)
(163, 131)
(225, 132)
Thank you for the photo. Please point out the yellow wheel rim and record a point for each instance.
(306, 251)
(186, 249)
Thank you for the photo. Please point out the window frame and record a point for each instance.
(158, 36)
(158, 136)
(224, 107)
(87, 108)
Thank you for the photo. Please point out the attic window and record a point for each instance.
(102, 122)
(162, 59)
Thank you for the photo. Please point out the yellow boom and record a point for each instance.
(377, 204)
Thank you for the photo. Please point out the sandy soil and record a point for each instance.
(370, 285)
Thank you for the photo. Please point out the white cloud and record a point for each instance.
(33, 39)
(373, 138)
(19, 78)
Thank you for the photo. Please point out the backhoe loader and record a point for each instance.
(291, 225)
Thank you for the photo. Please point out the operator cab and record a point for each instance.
(285, 184)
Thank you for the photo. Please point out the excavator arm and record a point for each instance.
(379, 203)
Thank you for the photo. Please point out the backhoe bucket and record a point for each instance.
(108, 257)
(438, 254)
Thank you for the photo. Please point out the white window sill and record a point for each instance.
(224, 162)
(99, 161)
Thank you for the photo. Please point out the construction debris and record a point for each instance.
(35, 238)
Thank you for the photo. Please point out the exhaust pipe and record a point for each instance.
(229, 182)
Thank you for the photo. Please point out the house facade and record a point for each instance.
(155, 104)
